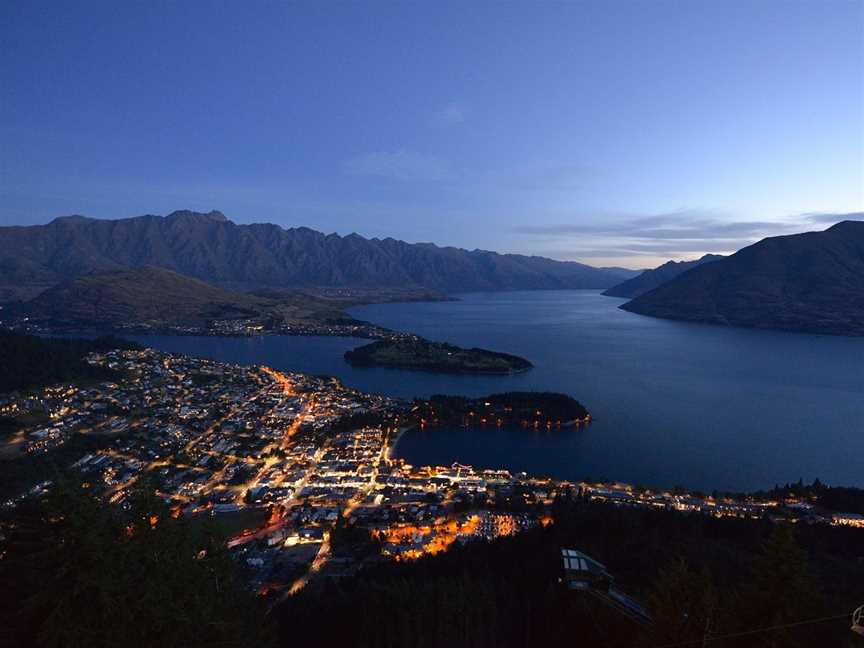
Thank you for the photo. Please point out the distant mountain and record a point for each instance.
(211, 248)
(159, 297)
(650, 279)
(622, 273)
(811, 282)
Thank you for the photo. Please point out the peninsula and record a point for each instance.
(411, 352)
(526, 409)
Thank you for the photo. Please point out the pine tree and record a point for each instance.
(103, 576)
(781, 591)
(683, 604)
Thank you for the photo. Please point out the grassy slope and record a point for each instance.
(156, 295)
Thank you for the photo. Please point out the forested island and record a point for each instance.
(528, 409)
(418, 353)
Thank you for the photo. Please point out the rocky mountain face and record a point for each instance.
(212, 248)
(811, 282)
(651, 279)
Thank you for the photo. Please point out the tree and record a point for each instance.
(90, 574)
(683, 604)
(781, 591)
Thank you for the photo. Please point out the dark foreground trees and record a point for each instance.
(77, 572)
(704, 580)
(29, 361)
(81, 573)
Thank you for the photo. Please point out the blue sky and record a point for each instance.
(611, 132)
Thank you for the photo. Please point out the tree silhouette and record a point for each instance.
(684, 605)
(90, 574)
(782, 591)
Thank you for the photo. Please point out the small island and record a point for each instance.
(525, 409)
(416, 353)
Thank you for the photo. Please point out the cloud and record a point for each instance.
(686, 233)
(661, 251)
(834, 218)
(688, 225)
(400, 165)
(544, 178)
(451, 114)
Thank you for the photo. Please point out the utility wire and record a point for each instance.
(705, 640)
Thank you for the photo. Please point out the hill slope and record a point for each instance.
(811, 282)
(160, 297)
(29, 361)
(212, 248)
(651, 279)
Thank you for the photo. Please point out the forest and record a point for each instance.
(718, 581)
(79, 573)
(29, 361)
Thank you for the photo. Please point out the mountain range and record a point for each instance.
(811, 282)
(651, 279)
(189, 268)
(209, 247)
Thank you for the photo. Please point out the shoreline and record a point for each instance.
(391, 446)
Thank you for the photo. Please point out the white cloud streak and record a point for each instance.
(686, 233)
(400, 165)
(451, 114)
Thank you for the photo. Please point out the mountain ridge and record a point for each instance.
(210, 247)
(655, 277)
(811, 282)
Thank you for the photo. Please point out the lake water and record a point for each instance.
(674, 403)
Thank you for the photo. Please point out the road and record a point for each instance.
(323, 554)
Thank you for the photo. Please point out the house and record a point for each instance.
(848, 519)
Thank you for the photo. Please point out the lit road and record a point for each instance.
(323, 554)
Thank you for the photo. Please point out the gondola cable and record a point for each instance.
(744, 633)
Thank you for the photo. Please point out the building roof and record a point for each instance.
(577, 563)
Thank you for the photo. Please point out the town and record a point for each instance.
(235, 327)
(300, 470)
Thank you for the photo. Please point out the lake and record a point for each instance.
(673, 403)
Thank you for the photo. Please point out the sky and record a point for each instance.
(613, 133)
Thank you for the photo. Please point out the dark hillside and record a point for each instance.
(29, 362)
(811, 282)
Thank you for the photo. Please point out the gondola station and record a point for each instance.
(584, 574)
